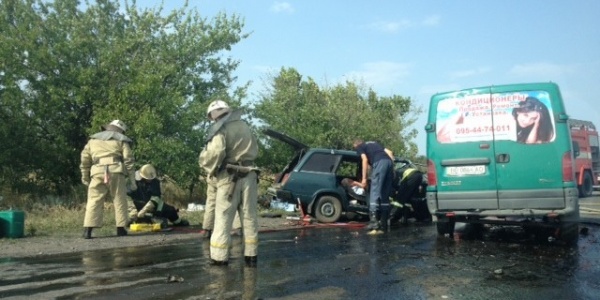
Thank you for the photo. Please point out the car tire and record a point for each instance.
(328, 209)
(473, 231)
(445, 226)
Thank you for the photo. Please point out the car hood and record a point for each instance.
(284, 138)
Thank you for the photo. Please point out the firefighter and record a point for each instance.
(229, 156)
(408, 184)
(147, 199)
(107, 168)
(208, 222)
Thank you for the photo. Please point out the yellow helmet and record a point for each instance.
(148, 172)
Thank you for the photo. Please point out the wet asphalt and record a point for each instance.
(327, 262)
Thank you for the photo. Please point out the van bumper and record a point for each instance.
(563, 214)
(570, 213)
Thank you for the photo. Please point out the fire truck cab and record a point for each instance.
(587, 155)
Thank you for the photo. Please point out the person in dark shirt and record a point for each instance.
(380, 159)
(408, 185)
(148, 201)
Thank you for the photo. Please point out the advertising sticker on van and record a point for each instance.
(523, 117)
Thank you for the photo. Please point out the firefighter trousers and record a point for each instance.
(98, 191)
(208, 222)
(244, 201)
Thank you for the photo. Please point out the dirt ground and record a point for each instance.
(35, 246)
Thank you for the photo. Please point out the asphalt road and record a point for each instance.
(410, 262)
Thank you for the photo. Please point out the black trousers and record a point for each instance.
(169, 212)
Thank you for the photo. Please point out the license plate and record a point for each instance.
(465, 170)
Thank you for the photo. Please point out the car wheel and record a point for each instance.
(328, 209)
(445, 226)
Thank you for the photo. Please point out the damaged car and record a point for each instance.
(312, 180)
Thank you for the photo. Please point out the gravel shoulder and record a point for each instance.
(38, 246)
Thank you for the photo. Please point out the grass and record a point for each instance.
(64, 222)
(59, 221)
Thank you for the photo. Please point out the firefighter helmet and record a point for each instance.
(148, 172)
(115, 125)
(216, 109)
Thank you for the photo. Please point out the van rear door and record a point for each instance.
(528, 147)
(463, 150)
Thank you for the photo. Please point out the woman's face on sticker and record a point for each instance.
(526, 119)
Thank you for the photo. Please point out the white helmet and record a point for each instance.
(147, 172)
(115, 123)
(216, 109)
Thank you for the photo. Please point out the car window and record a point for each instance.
(320, 162)
(347, 169)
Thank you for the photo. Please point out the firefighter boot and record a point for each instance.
(405, 215)
(121, 231)
(87, 232)
(221, 263)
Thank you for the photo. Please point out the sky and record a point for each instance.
(418, 48)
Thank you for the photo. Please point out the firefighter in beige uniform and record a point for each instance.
(229, 156)
(208, 222)
(107, 168)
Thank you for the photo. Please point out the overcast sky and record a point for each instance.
(417, 48)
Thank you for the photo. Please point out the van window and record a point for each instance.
(523, 117)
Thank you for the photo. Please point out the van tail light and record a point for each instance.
(431, 174)
(567, 167)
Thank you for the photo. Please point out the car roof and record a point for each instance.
(335, 151)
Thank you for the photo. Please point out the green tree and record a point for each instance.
(66, 69)
(332, 117)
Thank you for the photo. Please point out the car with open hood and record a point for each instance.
(313, 181)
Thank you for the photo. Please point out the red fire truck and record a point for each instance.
(587, 163)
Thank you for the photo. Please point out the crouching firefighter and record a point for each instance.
(107, 168)
(229, 156)
(147, 199)
(406, 203)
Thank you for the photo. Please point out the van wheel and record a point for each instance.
(445, 226)
(587, 186)
(569, 233)
(473, 231)
(328, 209)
